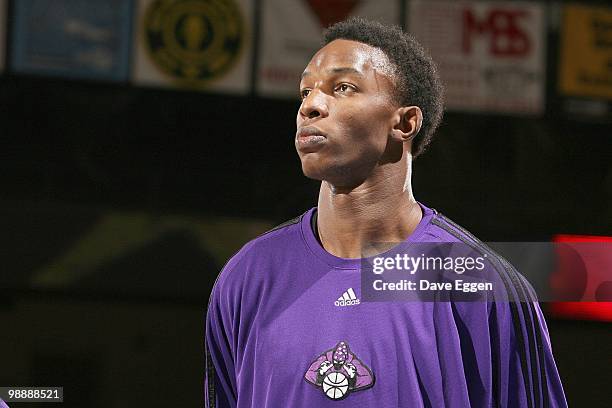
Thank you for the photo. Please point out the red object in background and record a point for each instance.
(581, 310)
(331, 11)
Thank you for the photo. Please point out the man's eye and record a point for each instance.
(304, 93)
(344, 88)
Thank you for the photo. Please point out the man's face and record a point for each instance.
(346, 114)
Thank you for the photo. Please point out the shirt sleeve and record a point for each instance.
(530, 378)
(219, 376)
(550, 380)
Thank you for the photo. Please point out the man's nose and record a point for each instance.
(314, 105)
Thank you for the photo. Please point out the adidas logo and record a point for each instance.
(348, 298)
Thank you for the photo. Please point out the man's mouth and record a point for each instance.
(309, 138)
(308, 132)
(312, 139)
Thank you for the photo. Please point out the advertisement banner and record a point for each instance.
(2, 33)
(194, 44)
(586, 52)
(77, 38)
(291, 33)
(491, 55)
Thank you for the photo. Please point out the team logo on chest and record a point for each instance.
(338, 372)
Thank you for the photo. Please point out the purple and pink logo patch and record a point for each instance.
(338, 372)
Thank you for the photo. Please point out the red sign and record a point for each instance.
(503, 29)
(331, 11)
(600, 310)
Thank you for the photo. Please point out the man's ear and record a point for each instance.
(408, 121)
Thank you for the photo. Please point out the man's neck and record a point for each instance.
(353, 223)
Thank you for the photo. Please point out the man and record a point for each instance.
(286, 326)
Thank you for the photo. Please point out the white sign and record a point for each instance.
(291, 32)
(491, 55)
(194, 44)
(2, 33)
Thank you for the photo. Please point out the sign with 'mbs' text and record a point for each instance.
(586, 51)
(291, 32)
(194, 44)
(491, 55)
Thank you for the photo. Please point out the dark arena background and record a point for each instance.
(143, 142)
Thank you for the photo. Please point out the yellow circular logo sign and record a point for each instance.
(194, 41)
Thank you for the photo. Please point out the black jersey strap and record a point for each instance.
(313, 225)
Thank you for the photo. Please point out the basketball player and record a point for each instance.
(286, 326)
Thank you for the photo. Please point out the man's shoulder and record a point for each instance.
(268, 247)
(448, 231)
(273, 240)
(442, 229)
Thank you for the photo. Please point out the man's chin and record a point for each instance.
(313, 172)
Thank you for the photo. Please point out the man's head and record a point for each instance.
(371, 90)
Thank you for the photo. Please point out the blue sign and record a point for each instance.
(72, 38)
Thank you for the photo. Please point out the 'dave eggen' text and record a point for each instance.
(426, 285)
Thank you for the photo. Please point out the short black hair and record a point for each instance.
(418, 82)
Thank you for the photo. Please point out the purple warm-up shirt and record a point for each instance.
(285, 327)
